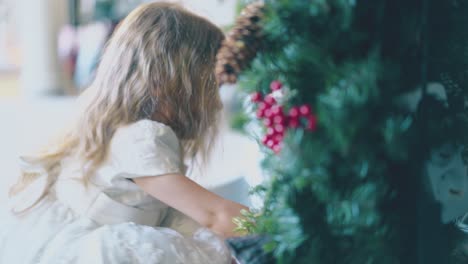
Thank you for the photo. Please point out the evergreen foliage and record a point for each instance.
(348, 192)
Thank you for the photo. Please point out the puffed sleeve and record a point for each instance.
(146, 148)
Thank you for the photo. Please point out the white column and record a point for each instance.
(3, 32)
(5, 23)
(39, 22)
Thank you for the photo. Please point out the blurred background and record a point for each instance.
(48, 52)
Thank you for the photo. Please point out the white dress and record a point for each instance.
(113, 220)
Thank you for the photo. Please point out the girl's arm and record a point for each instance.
(183, 194)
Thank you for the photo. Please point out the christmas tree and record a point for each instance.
(340, 88)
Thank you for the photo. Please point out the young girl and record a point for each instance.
(99, 193)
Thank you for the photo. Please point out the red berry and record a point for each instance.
(276, 110)
(265, 140)
(304, 110)
(256, 97)
(279, 119)
(270, 143)
(263, 106)
(277, 148)
(260, 113)
(276, 85)
(311, 123)
(294, 112)
(270, 132)
(269, 100)
(267, 122)
(268, 113)
(278, 137)
(293, 123)
(279, 128)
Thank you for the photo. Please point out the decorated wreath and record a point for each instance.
(362, 103)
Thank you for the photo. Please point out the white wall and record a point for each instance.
(220, 12)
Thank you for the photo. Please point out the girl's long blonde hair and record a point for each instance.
(159, 65)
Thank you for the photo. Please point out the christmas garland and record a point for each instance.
(345, 152)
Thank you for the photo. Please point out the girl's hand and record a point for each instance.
(205, 207)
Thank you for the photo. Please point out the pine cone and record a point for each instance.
(241, 44)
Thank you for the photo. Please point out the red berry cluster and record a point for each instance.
(277, 121)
